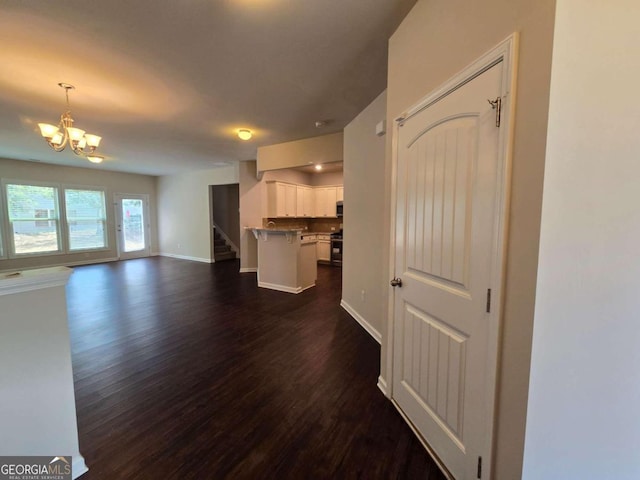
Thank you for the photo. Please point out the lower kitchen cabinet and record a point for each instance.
(323, 248)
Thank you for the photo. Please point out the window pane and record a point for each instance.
(86, 219)
(33, 215)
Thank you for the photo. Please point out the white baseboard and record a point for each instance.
(249, 270)
(78, 467)
(280, 288)
(360, 319)
(382, 385)
(66, 264)
(186, 257)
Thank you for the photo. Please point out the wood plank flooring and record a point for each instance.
(186, 370)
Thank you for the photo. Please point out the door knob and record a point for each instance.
(396, 282)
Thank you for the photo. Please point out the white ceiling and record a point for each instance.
(167, 83)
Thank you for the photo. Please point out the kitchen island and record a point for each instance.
(286, 262)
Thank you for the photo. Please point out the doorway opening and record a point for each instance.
(224, 208)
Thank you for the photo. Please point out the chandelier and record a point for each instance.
(58, 137)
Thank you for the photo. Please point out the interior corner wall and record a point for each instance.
(112, 182)
(435, 41)
(184, 226)
(364, 234)
(250, 214)
(584, 393)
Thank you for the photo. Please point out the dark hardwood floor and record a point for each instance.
(186, 370)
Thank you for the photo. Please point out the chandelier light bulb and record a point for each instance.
(95, 158)
(47, 130)
(245, 134)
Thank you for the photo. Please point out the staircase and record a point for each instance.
(221, 251)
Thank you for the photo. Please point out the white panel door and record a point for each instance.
(448, 158)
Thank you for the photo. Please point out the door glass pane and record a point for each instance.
(133, 224)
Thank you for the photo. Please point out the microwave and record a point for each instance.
(339, 209)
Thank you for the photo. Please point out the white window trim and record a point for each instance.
(63, 199)
(11, 253)
(6, 233)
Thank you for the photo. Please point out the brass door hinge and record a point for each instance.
(497, 106)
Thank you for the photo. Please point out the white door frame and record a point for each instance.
(117, 201)
(505, 52)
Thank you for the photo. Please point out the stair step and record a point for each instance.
(221, 248)
(219, 242)
(230, 255)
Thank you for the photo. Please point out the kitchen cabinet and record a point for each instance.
(323, 248)
(326, 198)
(281, 199)
(305, 201)
(302, 201)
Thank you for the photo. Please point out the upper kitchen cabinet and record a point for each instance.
(326, 198)
(281, 200)
(305, 201)
(340, 194)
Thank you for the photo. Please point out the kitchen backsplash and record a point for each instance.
(311, 224)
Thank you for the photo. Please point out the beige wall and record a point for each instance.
(250, 214)
(436, 40)
(364, 233)
(184, 227)
(112, 182)
(584, 394)
(322, 149)
(327, 178)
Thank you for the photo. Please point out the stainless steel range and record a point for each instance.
(336, 248)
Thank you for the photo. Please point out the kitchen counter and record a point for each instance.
(285, 262)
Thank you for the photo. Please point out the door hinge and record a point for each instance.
(497, 106)
(479, 467)
(488, 300)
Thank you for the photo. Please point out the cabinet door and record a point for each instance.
(340, 194)
(301, 203)
(309, 202)
(320, 196)
(281, 196)
(332, 198)
(323, 250)
(290, 200)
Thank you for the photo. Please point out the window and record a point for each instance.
(86, 219)
(27, 206)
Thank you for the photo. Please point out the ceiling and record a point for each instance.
(167, 83)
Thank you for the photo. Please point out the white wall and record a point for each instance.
(113, 182)
(583, 417)
(250, 214)
(37, 403)
(364, 234)
(184, 228)
(435, 41)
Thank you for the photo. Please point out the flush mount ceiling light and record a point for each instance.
(83, 144)
(245, 134)
(318, 167)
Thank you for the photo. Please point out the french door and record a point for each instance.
(132, 225)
